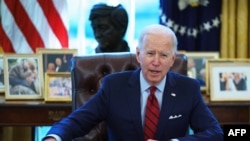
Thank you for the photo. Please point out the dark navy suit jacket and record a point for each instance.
(118, 104)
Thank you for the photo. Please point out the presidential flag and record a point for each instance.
(195, 22)
(30, 24)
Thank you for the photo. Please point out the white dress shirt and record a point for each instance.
(145, 93)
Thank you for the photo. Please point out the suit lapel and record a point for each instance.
(169, 98)
(134, 102)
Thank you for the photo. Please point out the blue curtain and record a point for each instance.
(196, 24)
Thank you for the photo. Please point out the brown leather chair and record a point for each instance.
(87, 71)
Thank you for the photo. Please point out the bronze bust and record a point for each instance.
(109, 24)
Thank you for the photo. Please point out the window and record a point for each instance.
(141, 13)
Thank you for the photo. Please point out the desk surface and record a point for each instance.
(40, 113)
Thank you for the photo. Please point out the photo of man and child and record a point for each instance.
(57, 62)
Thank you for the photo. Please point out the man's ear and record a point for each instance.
(173, 59)
(138, 55)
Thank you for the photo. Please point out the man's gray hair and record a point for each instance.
(158, 29)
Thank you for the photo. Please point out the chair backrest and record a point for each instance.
(87, 71)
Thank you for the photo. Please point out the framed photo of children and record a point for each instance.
(1, 74)
(56, 60)
(229, 79)
(58, 87)
(23, 77)
(197, 65)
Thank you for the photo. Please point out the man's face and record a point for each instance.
(58, 62)
(156, 57)
(105, 33)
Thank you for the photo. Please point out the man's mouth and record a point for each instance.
(154, 71)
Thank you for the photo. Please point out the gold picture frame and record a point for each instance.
(58, 87)
(1, 73)
(23, 77)
(197, 66)
(50, 56)
(228, 80)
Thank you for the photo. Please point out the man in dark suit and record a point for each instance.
(61, 64)
(121, 100)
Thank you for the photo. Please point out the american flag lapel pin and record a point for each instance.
(173, 94)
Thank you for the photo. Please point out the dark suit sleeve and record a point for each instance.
(81, 121)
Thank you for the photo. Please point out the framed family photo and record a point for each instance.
(58, 87)
(229, 79)
(23, 77)
(56, 60)
(197, 65)
(1, 74)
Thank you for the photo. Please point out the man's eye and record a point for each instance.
(150, 53)
(164, 55)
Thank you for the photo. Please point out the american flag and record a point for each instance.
(30, 24)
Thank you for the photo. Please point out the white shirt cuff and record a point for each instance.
(54, 136)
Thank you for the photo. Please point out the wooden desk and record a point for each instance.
(32, 113)
(230, 112)
(37, 113)
(227, 113)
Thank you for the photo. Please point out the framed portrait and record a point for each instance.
(56, 60)
(197, 66)
(58, 87)
(1, 73)
(229, 79)
(23, 77)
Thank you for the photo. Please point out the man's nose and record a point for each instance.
(156, 59)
